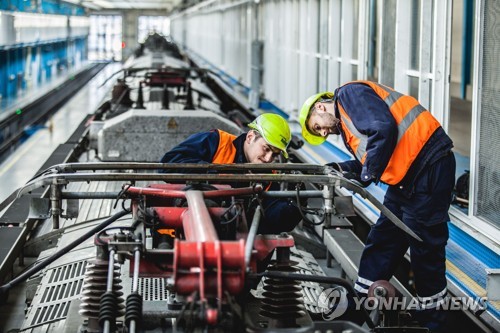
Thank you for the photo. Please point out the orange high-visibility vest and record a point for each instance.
(415, 127)
(226, 151)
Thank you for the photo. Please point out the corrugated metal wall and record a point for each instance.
(315, 45)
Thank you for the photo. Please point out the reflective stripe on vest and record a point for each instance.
(226, 151)
(415, 127)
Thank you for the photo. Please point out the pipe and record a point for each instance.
(135, 282)
(167, 193)
(72, 167)
(251, 235)
(293, 194)
(197, 223)
(109, 284)
(206, 194)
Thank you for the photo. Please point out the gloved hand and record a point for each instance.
(335, 166)
(356, 178)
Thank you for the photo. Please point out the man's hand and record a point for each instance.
(335, 166)
(350, 170)
(356, 178)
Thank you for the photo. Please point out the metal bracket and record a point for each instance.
(39, 208)
(72, 209)
(493, 284)
(344, 206)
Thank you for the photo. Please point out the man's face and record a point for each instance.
(257, 150)
(321, 122)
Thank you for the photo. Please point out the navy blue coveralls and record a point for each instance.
(280, 215)
(421, 200)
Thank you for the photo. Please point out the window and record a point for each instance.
(151, 24)
(105, 37)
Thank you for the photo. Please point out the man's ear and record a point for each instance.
(319, 106)
(250, 136)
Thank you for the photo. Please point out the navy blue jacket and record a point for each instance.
(280, 215)
(371, 116)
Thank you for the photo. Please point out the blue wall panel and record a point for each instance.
(3, 73)
(42, 6)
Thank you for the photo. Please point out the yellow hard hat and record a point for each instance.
(304, 114)
(274, 129)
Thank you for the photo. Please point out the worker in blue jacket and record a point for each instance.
(394, 140)
(268, 138)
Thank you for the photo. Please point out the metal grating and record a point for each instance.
(488, 172)
(307, 264)
(153, 289)
(58, 288)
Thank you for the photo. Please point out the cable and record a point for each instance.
(22, 277)
(304, 217)
(236, 215)
(99, 234)
(120, 194)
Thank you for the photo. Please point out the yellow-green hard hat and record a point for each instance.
(274, 129)
(304, 113)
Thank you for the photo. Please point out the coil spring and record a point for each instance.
(94, 286)
(283, 300)
(134, 309)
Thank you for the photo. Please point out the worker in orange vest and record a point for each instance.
(268, 137)
(396, 141)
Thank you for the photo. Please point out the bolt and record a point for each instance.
(380, 292)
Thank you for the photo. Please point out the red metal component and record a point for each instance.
(201, 275)
(171, 217)
(175, 193)
(176, 187)
(198, 225)
(155, 267)
(231, 254)
(166, 77)
(185, 284)
(218, 254)
(181, 187)
(211, 315)
(202, 262)
(233, 192)
(156, 192)
(264, 244)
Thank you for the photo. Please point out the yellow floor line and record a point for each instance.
(464, 278)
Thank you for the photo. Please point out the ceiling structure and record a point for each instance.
(98, 5)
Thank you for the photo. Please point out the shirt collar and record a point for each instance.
(240, 153)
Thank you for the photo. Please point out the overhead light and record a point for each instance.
(104, 3)
(75, 2)
(91, 5)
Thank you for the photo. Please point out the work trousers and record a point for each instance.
(426, 213)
